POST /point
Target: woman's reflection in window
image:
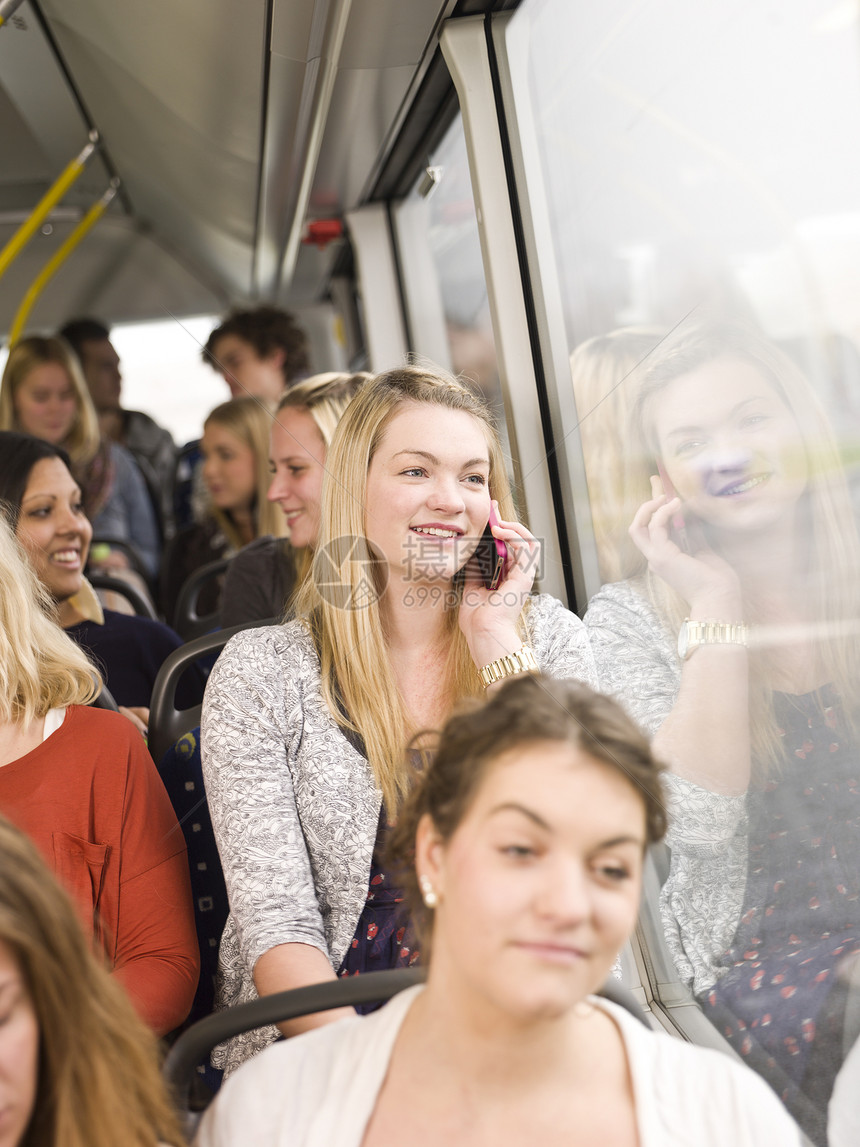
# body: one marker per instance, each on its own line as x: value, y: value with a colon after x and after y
x: 749, y: 524
x: 606, y: 371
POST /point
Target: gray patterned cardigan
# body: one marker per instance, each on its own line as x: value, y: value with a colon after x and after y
x: 700, y: 903
x: 293, y: 803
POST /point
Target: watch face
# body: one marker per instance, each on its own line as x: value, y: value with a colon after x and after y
x: 684, y: 640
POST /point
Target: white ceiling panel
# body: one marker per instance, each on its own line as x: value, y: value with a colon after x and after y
x: 180, y: 93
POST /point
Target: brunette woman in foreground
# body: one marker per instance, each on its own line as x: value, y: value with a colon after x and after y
x: 522, y: 847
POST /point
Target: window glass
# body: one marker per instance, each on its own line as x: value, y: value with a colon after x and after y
x: 438, y: 237
x: 164, y: 375
x: 702, y: 182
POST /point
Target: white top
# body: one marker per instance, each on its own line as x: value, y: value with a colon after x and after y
x: 843, y: 1125
x: 53, y: 720
x: 320, y: 1089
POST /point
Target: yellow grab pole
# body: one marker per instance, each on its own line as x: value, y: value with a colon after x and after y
x: 56, y: 261
x: 7, y: 10
x: 28, y: 228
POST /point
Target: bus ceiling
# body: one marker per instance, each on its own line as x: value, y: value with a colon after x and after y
x: 229, y: 125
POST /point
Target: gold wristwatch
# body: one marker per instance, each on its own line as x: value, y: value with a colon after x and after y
x: 709, y: 632
x: 523, y: 661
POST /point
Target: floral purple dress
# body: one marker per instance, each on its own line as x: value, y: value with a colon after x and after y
x: 384, y: 937
x: 781, y: 1001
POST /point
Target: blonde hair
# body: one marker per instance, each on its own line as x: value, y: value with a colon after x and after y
x: 324, y: 397
x: 605, y: 372
x: 83, y: 440
x: 833, y: 572
x: 41, y: 668
x: 98, y: 1082
x: 249, y: 420
x: 358, y: 683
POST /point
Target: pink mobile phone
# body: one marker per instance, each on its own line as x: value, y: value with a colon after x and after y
x: 678, y: 523
x: 492, y: 554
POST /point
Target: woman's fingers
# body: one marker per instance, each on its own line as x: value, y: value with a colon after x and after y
x: 695, y: 576
x: 650, y: 527
x: 522, y: 546
x: 505, y: 531
x: 647, y: 509
x: 135, y: 715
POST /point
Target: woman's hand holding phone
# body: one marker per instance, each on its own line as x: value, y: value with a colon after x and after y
x: 704, y: 580
x: 488, y: 617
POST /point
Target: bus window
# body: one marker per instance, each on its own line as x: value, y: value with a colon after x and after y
x: 163, y: 359
x: 701, y: 190
x: 443, y: 273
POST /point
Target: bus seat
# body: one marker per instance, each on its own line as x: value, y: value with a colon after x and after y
x: 181, y: 773
x: 105, y: 700
x: 195, y: 1044
x: 167, y: 723
x: 187, y: 622
x: 174, y: 742
x: 131, y: 552
x: 140, y: 604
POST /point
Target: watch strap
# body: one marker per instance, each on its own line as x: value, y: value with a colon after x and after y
x: 710, y: 631
x: 522, y: 661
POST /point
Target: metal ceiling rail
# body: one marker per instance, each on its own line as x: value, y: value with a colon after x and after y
x: 58, y: 215
x: 51, y: 197
x: 57, y: 259
x: 316, y: 98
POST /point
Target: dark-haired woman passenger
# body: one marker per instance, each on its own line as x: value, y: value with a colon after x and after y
x: 42, y: 501
x: 525, y: 839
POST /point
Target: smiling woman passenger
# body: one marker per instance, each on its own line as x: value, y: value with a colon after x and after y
x: 43, y: 393
x: 235, y: 510
x: 42, y: 501
x: 522, y: 850
x: 263, y: 575
x: 304, y: 725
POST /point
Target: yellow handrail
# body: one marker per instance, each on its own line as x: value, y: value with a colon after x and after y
x: 7, y: 9
x: 56, y: 261
x: 51, y: 197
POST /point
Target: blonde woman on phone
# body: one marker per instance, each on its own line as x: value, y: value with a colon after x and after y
x: 305, y: 724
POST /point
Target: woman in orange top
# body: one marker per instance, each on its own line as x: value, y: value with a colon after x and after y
x: 80, y: 783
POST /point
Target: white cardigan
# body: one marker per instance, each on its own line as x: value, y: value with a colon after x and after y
x: 320, y: 1089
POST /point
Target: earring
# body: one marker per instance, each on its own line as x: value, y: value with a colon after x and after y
x: 430, y: 897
